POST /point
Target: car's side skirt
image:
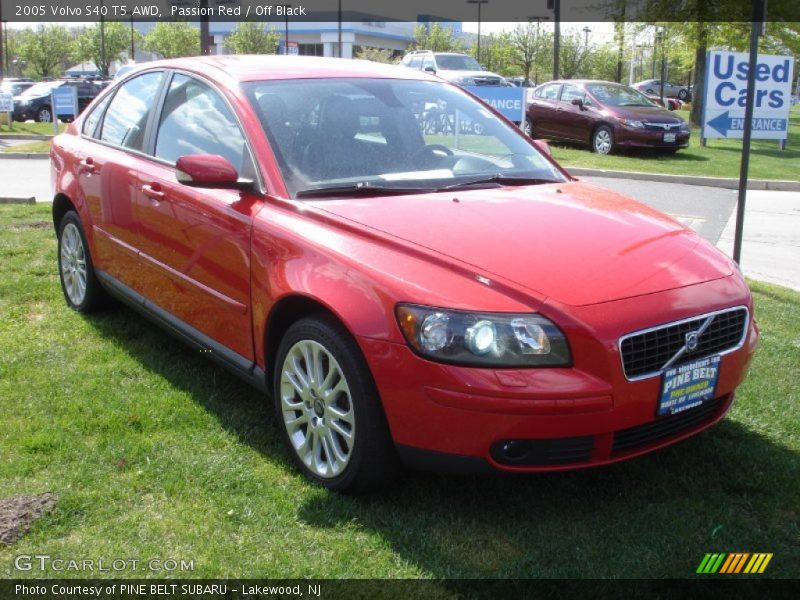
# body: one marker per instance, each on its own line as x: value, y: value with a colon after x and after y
x: 237, y: 364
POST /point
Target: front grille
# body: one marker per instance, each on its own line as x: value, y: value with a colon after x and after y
x: 543, y: 452
x: 647, y: 353
x: 663, y: 126
x: 643, y: 435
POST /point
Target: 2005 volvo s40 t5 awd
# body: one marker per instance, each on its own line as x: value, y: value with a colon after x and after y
x: 448, y: 300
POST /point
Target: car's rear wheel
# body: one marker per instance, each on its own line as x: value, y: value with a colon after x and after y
x: 683, y: 94
x: 603, y: 140
x: 528, y: 129
x: 79, y: 283
x: 328, y: 410
x: 44, y: 115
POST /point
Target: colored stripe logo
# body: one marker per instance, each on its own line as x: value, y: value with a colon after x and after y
x: 733, y: 563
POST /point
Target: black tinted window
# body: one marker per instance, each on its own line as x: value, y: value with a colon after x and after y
x: 126, y: 117
x: 196, y: 120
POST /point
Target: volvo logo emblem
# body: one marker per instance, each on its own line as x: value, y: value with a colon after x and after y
x: 692, y: 340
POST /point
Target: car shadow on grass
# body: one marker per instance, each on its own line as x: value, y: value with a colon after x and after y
x: 727, y: 489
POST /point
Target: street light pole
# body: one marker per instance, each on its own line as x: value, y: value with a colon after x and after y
x: 555, y: 6
x: 103, y: 66
x: 3, y: 53
x: 586, y: 32
x: 205, y: 48
x: 340, y: 29
x: 479, y: 3
x: 538, y: 33
x: 286, y: 8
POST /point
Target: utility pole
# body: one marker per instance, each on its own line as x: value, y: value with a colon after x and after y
x: 479, y: 3
x: 340, y: 29
x: 555, y: 6
x: 205, y: 48
x: 3, y: 53
x: 104, y: 63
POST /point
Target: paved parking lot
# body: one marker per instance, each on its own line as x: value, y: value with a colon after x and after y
x: 771, y: 250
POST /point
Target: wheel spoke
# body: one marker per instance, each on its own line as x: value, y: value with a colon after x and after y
x: 347, y: 435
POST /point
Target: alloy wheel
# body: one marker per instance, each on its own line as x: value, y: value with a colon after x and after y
x: 317, y: 409
x: 73, y: 264
x: 602, y: 141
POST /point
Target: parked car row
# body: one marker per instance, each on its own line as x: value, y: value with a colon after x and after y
x: 34, y: 102
x: 671, y: 90
x: 604, y: 115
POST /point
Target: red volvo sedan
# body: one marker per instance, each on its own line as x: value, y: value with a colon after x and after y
x: 446, y: 300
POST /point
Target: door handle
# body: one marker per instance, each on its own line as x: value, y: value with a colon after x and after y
x: 88, y: 166
x: 153, y: 191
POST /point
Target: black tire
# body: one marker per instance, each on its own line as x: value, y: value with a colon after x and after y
x: 528, y: 127
x: 44, y: 115
x: 603, y: 140
x: 683, y: 94
x: 649, y: 91
x: 94, y: 297
x: 373, y: 462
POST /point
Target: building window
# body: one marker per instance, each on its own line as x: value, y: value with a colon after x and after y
x: 311, y: 50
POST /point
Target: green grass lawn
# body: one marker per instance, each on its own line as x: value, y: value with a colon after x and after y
x: 35, y: 146
x: 32, y: 128
x: 154, y: 452
x: 720, y: 158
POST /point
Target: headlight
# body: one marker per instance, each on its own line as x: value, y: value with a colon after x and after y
x: 633, y: 124
x: 684, y: 126
x: 484, y: 339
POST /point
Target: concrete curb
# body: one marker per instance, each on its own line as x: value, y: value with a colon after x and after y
x: 30, y: 200
x: 720, y: 182
x: 25, y: 136
x: 30, y: 155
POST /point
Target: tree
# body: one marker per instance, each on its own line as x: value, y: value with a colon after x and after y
x: 524, y: 40
x: 252, y: 38
x: 90, y: 44
x: 497, y: 53
x: 380, y: 55
x: 436, y: 38
x: 173, y: 40
x: 574, y: 55
x: 48, y: 50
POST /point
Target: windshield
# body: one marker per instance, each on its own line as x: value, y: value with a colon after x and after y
x: 618, y: 95
x: 388, y: 133
x: 457, y: 62
x: 41, y: 89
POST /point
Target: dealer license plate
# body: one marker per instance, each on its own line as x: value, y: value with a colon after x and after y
x: 688, y: 385
x: 669, y: 137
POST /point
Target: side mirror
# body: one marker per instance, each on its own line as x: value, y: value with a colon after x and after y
x: 543, y: 147
x: 578, y: 102
x: 208, y: 170
x: 430, y: 69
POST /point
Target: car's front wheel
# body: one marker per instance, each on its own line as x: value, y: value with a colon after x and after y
x: 603, y: 140
x: 528, y: 128
x: 328, y: 409
x: 79, y: 283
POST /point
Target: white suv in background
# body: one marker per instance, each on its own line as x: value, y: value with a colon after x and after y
x: 455, y: 67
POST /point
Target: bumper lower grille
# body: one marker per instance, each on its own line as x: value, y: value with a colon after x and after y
x: 543, y: 452
x: 648, y: 352
x: 642, y: 435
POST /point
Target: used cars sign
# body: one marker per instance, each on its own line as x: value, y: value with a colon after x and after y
x: 726, y: 95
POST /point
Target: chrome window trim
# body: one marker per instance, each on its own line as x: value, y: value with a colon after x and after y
x: 680, y: 322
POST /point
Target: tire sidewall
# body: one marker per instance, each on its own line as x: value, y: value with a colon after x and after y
x: 92, y: 284
x: 362, y: 389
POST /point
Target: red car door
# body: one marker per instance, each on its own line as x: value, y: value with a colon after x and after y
x: 543, y: 109
x: 574, y: 122
x: 195, y: 241
x: 107, y: 170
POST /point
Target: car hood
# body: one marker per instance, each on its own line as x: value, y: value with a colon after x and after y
x: 576, y: 243
x: 653, y: 114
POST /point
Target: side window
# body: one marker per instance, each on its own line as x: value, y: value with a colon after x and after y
x: 549, y: 92
x: 427, y: 62
x: 94, y: 117
x: 126, y: 117
x: 571, y: 92
x: 416, y: 62
x: 196, y: 120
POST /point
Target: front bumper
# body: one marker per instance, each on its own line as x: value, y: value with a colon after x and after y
x: 557, y: 418
x: 649, y: 138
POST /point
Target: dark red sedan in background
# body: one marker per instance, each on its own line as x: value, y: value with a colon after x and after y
x: 607, y: 116
x: 448, y: 300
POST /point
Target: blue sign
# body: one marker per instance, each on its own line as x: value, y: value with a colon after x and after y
x: 726, y: 95
x: 688, y: 385
x: 65, y: 100
x: 510, y: 101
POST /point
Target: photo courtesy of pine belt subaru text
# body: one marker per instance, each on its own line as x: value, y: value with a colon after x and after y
x: 448, y: 298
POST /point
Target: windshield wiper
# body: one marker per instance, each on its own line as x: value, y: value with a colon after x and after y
x: 362, y: 188
x: 499, y: 180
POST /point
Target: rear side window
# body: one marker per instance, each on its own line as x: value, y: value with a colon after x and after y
x: 196, y: 120
x: 126, y: 118
x: 93, y: 118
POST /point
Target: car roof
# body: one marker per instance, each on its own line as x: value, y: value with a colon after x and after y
x: 267, y: 67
